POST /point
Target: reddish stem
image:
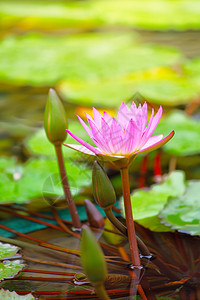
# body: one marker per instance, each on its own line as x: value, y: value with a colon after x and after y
x: 71, y: 205
x: 129, y: 218
x: 157, y: 164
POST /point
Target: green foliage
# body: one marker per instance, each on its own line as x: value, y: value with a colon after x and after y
x: 41, y: 60
x: 148, y: 14
x: 40, y: 178
x: 9, y: 268
x: 183, y: 212
x: 7, y: 250
x: 38, y: 144
x: 7, y: 295
x: 160, y: 85
x: 147, y: 204
x: 151, y: 14
x: 186, y: 140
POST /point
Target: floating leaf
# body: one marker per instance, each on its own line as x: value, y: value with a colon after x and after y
x: 161, y: 85
x: 31, y: 15
x: 40, y: 178
x: 7, y: 295
x: 7, y: 250
x: 147, y: 204
x: 183, y: 212
x: 38, y: 143
x: 151, y: 14
x: 41, y: 60
x: 10, y: 269
x: 186, y: 140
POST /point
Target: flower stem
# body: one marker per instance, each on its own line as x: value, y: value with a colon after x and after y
x: 109, y: 214
x: 71, y: 205
x: 129, y: 218
x: 100, y: 291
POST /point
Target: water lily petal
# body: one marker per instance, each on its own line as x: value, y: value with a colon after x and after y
x: 142, y: 115
x: 87, y: 129
x: 97, y: 117
x: 145, y: 136
x: 124, y: 115
x: 98, y: 137
x: 85, y: 144
x: 115, y: 133
x: 155, y: 121
x: 107, y: 118
x: 153, y: 140
x: 105, y: 129
x: 157, y: 144
x: 80, y: 148
x: 132, y: 137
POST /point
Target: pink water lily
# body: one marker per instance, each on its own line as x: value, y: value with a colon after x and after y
x: 123, y: 137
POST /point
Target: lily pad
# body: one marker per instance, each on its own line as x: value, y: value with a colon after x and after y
x: 44, y: 60
x: 186, y: 140
x: 160, y: 85
x: 9, y: 268
x: 38, y: 144
x: 183, y: 212
x: 41, y: 178
x: 7, y: 295
x: 34, y: 15
x: 147, y: 204
x: 41, y: 60
x: 7, y: 250
x: 151, y: 14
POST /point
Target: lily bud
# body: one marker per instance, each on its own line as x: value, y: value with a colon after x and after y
x: 103, y: 190
x: 55, y: 121
x: 92, y: 257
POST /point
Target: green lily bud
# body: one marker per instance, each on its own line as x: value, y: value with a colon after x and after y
x: 92, y: 257
x: 55, y: 121
x: 103, y: 190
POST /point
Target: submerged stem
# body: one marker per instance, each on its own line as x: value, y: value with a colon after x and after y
x: 100, y: 291
x: 129, y: 218
x: 71, y: 205
x: 123, y: 229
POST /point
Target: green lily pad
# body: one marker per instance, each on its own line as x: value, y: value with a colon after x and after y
x: 41, y: 60
x: 7, y: 295
x: 186, y: 140
x: 148, y: 14
x: 59, y: 15
x: 151, y: 14
x: 7, y: 250
x: 159, y: 85
x: 182, y: 212
x: 38, y: 144
x: 7, y: 188
x: 147, y: 204
x: 9, y: 268
x: 40, y: 178
x: 45, y: 60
